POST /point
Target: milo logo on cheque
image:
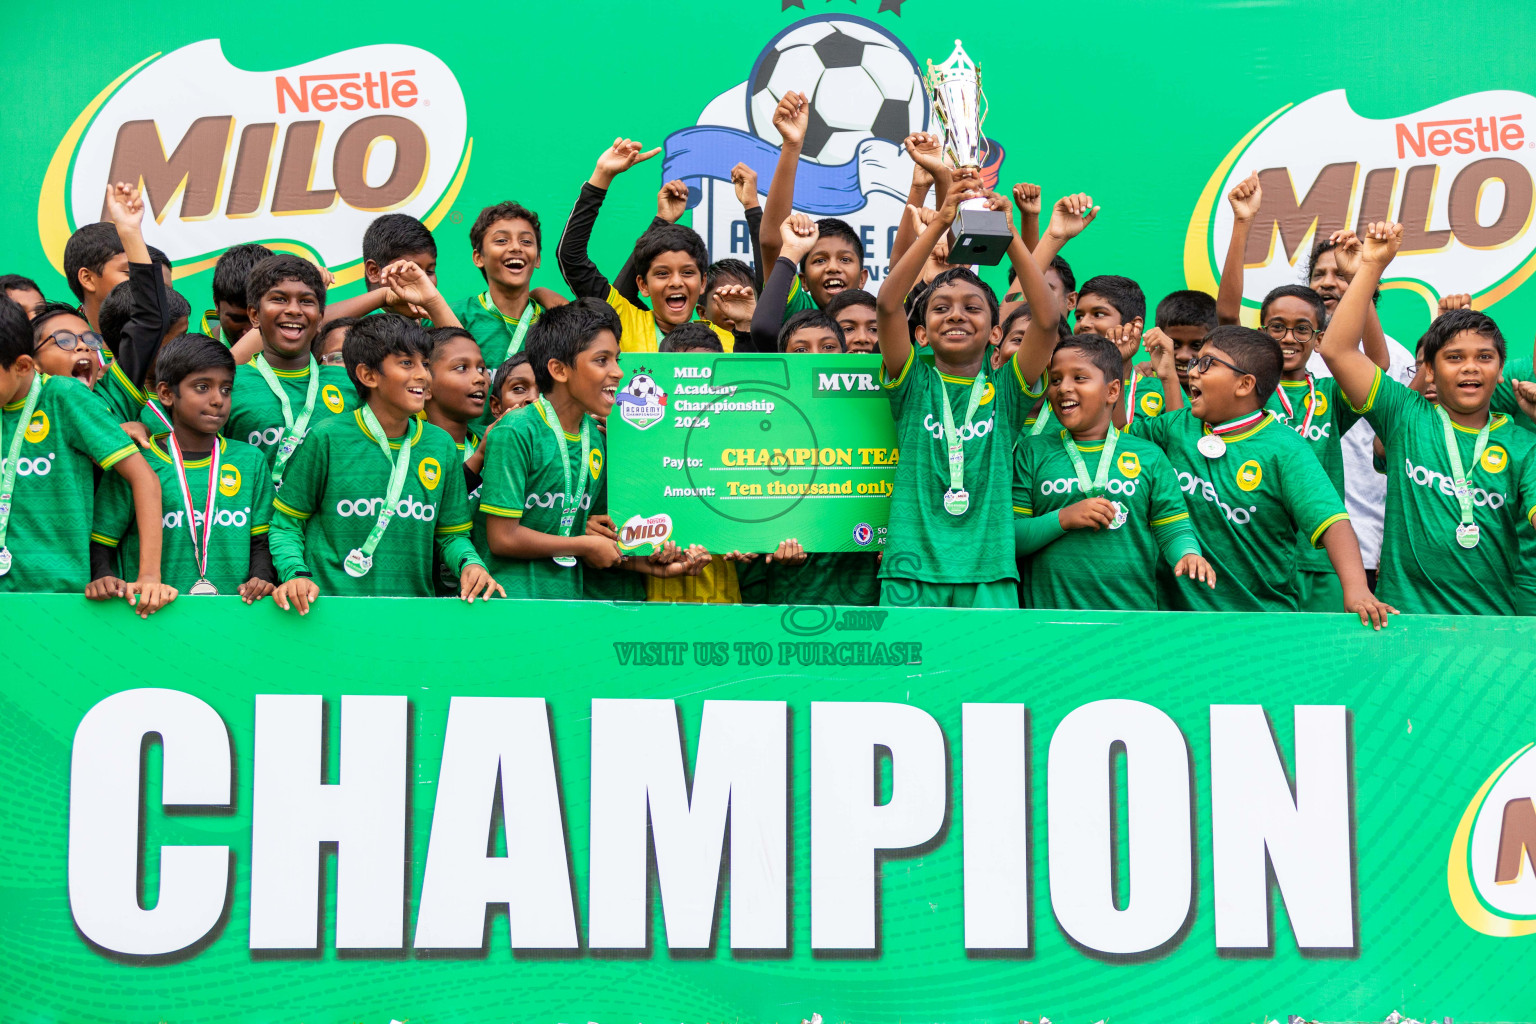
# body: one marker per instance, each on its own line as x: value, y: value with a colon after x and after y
x: 638, y: 530
x: 305, y: 156
x: 1458, y: 175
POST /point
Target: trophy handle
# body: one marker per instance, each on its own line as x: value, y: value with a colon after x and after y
x: 981, y: 118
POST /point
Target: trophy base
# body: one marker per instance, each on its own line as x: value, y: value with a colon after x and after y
x: 979, y: 236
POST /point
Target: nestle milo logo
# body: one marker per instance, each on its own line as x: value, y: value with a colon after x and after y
x: 1457, y: 175
x: 1491, y: 873
x: 305, y: 156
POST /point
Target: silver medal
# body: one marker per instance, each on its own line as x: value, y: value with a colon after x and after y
x: 202, y: 588
x: 956, y: 501
x: 357, y: 564
x: 569, y: 561
x: 5, y: 561
x: 1468, y: 534
x: 1212, y: 446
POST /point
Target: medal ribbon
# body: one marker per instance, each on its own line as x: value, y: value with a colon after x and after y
x: 1458, y: 472
x: 199, y: 549
x: 396, y: 478
x: 952, y: 436
x: 1041, y: 419
x: 8, y: 477
x: 572, y: 501
x: 1290, y: 412
x: 531, y: 312
x: 295, y: 428
x: 1240, y: 423
x: 1130, y: 398
x: 1100, y: 481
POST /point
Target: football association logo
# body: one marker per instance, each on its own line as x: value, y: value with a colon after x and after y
x: 641, y: 402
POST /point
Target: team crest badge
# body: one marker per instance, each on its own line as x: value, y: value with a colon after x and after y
x: 595, y: 463
x: 1494, y: 459
x: 1129, y: 465
x: 38, y: 428
x: 641, y: 402
x: 1249, y: 475
x: 1151, y: 403
x: 987, y: 394
x: 229, y: 480
x: 331, y: 396
x: 1320, y: 406
x: 430, y: 472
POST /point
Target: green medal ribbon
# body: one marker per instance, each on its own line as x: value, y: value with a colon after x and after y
x: 957, y: 499
x: 360, y: 560
x: 572, y: 493
x: 8, y: 476
x: 531, y: 312
x: 1041, y: 419
x: 1100, y: 482
x: 294, y: 429
x: 1467, y: 532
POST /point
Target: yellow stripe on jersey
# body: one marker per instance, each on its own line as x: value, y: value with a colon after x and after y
x: 122, y: 378
x: 1170, y: 519
x: 1370, y: 399
x: 457, y: 528
x: 118, y: 456
x: 504, y: 513
x: 263, y: 528
x: 1317, y: 534
x: 103, y: 540
x: 289, y: 510
x: 905, y: 368
x: 1020, y: 510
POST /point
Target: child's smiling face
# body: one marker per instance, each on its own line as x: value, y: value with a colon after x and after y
x: 517, y: 390
x: 288, y: 315
x: 672, y: 284
x: 459, y: 380
x: 833, y: 265
x: 509, y: 253
x: 958, y: 322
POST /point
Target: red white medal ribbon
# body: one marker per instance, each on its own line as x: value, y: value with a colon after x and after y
x: 1290, y: 411
x: 199, y: 550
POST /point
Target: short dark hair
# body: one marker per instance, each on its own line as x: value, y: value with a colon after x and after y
x: 664, y: 238
x: 1016, y: 314
x: 348, y: 322
x: 735, y: 270
x: 379, y: 336
x: 278, y: 268
x: 810, y: 318
x: 1064, y: 271
x: 233, y: 269
x: 499, y: 379
x: 1322, y: 245
x: 966, y: 275
x: 158, y: 257
x: 1099, y: 350
x: 564, y: 332
x: 848, y: 297
x: 693, y: 334
x: 15, y: 332
x: 443, y: 335
x: 1297, y: 291
x: 1453, y: 322
x: 48, y: 310
x: 1187, y: 308
x: 17, y: 283
x: 1123, y: 293
x: 831, y: 227
x: 1256, y: 352
x: 181, y: 357
x: 509, y: 210
x: 116, y: 310
x: 177, y: 306
x: 395, y: 235
x: 91, y: 247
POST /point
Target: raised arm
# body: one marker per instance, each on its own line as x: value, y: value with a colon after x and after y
x: 1244, y: 197
x: 147, y: 323
x: 1069, y: 217
x: 1351, y: 367
x: 1026, y: 196
x: 799, y: 233
x: 580, y: 273
x: 790, y: 119
x: 927, y: 152
x: 1034, y: 354
x: 1346, y: 256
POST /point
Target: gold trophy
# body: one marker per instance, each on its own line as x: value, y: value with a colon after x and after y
x: 981, y: 235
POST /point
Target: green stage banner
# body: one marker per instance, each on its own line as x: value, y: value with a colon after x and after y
x: 556, y: 812
x: 740, y: 452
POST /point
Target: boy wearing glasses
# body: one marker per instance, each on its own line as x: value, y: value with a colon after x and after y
x: 63, y: 344
x: 1294, y: 316
x: 1252, y: 485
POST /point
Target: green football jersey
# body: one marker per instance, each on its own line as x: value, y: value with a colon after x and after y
x: 1330, y: 421
x: 1111, y: 569
x: 49, y: 536
x: 256, y: 416
x: 447, y: 578
x: 524, y: 481
x: 925, y: 542
x: 494, y: 331
x: 242, y: 510
x: 799, y: 299
x: 330, y: 499
x: 127, y: 402
x: 1515, y: 368
x: 1145, y: 395
x: 1247, y: 505
x: 1423, y: 568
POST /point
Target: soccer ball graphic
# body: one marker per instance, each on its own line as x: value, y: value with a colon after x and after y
x: 861, y: 82
x: 643, y: 387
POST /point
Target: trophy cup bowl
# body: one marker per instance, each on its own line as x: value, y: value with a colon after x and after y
x: 980, y: 235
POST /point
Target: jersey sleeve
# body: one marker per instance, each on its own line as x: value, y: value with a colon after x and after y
x: 506, y: 474
x: 303, y: 483
x: 90, y: 426
x: 899, y: 388
x: 453, y: 522
x: 576, y: 266
x: 261, y: 497
x: 119, y: 393
x: 1387, y: 405
x: 1024, y: 479
x: 1016, y: 394
x: 1158, y: 429
x: 1525, y: 489
x: 114, y: 511
x: 1313, y: 501
x: 1169, y: 515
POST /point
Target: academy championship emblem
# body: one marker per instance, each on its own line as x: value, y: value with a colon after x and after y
x: 866, y: 95
x: 641, y: 402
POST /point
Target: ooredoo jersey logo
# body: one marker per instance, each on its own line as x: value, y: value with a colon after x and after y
x: 301, y: 158
x: 1491, y: 873
x: 1458, y: 175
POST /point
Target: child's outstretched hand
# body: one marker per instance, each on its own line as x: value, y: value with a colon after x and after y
x: 791, y: 117
x: 618, y: 158
x: 966, y: 185
x: 672, y: 201
x: 789, y: 552
x: 600, y: 552
x: 736, y: 303
x: 475, y: 581
x: 1088, y: 514
x: 1372, y: 612
x: 1197, y: 569
x: 1245, y: 196
x: 125, y: 205
x: 601, y: 525
x: 108, y: 588
x: 149, y: 596
x: 1456, y: 300
x: 1160, y: 351
x: 1382, y: 240
x: 743, y: 557
x: 297, y: 594
x: 927, y: 152
x: 254, y: 589
x: 1026, y: 196
x: 1127, y: 337
x: 138, y: 432
x: 744, y: 181
x: 1071, y: 215
x: 800, y: 234
x: 410, y: 284
x: 1346, y: 252
x: 999, y: 202
x: 1525, y: 394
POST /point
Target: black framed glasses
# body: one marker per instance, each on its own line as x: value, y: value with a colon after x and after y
x: 1278, y: 329
x: 1203, y: 363
x: 69, y: 341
